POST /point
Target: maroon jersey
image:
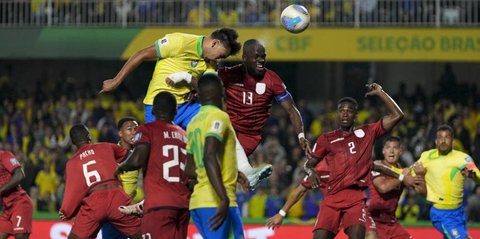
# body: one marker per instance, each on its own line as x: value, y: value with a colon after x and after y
x: 348, y: 155
x: 249, y: 100
x: 382, y: 206
x: 92, y: 164
x: 165, y: 182
x: 8, y: 163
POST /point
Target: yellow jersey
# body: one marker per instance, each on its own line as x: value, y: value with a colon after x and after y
x: 129, y: 182
x: 177, y: 52
x: 444, y: 177
x: 212, y: 121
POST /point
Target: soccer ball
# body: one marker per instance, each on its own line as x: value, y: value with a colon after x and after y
x: 295, y: 18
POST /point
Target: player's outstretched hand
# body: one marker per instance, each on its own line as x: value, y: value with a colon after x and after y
x: 314, y: 179
x: 217, y: 219
x: 305, y: 144
x: 62, y: 216
x: 373, y: 89
x: 275, y: 221
x: 109, y: 85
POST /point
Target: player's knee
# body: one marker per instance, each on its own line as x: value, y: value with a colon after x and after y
x: 356, y: 231
x: 22, y: 236
x: 323, y: 234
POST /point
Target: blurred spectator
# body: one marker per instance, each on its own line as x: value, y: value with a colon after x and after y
x: 473, y: 205
x: 197, y: 16
x: 47, y: 182
x: 410, y: 211
x: 228, y: 17
x: 257, y: 203
x: 274, y: 202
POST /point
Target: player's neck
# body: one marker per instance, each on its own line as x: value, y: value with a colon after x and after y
x: 125, y: 145
x: 347, y: 129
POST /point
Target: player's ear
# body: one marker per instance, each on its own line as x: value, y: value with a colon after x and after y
x: 215, y: 42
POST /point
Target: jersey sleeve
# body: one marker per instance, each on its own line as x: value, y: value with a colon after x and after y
x: 71, y: 199
x: 9, y: 161
x: 168, y: 46
x: 229, y: 74
x: 120, y: 152
x: 469, y: 164
x: 377, y: 129
x: 279, y: 89
x: 217, y: 125
x: 319, y: 149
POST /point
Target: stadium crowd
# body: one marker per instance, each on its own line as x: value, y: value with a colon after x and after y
x: 232, y: 13
x: 34, y: 126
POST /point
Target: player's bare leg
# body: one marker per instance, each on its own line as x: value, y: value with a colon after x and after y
x: 356, y: 231
x: 134, y: 209
x: 254, y: 175
x: 22, y: 236
x: 371, y: 235
x: 323, y: 234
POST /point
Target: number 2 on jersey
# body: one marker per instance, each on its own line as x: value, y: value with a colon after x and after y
x: 352, y: 147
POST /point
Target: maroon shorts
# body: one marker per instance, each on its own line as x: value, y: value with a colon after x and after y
x: 17, y: 218
x: 392, y: 231
x: 165, y: 223
x: 345, y: 208
x: 249, y: 142
x: 102, y: 206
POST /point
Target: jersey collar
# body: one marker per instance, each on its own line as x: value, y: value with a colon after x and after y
x: 199, y: 46
x: 203, y: 107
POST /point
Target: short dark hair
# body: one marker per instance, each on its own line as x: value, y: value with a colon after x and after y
x: 249, y: 44
x: 209, y: 81
x: 78, y: 134
x: 350, y: 100
x: 164, y: 103
x: 446, y: 127
x: 124, y: 120
x: 392, y: 139
x: 228, y: 37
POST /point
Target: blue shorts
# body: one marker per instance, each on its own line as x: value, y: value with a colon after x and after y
x: 450, y: 222
x: 232, y: 227
x: 110, y: 232
x: 185, y: 113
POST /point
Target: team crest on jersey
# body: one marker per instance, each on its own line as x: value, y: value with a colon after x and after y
x: 194, y: 63
x: 163, y: 41
x: 260, y: 88
x: 137, y: 137
x: 14, y: 161
x: 359, y: 133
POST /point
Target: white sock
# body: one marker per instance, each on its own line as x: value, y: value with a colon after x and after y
x: 242, y: 160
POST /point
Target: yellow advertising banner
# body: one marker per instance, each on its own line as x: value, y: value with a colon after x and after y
x: 346, y: 44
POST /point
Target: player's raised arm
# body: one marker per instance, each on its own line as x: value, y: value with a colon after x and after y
x: 296, y: 119
x: 395, y: 114
x: 148, y: 53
